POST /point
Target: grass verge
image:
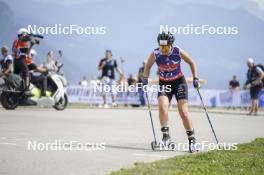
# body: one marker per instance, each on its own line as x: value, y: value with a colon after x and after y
x: 247, y: 159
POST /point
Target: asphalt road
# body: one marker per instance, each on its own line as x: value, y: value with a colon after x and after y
x: 115, y: 138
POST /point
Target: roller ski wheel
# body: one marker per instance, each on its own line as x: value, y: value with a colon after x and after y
x: 166, y: 142
x: 172, y: 146
x: 161, y: 146
x: 155, y: 146
x: 192, y: 145
x: 167, y: 145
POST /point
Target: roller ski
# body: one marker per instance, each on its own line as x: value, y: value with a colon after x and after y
x: 192, y: 141
x: 165, y: 144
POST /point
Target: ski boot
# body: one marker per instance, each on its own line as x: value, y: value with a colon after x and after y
x: 166, y: 142
x: 192, y: 141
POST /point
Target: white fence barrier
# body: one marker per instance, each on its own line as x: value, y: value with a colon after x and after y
x: 211, y: 97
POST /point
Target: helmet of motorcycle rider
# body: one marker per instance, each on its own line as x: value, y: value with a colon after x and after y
x: 22, y: 31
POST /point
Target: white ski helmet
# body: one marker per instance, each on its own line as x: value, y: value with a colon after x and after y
x: 22, y: 31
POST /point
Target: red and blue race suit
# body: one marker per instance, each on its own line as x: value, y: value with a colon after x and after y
x: 169, y: 65
x: 170, y: 73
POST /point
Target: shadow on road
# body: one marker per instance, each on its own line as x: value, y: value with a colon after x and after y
x: 127, y: 147
x: 141, y: 149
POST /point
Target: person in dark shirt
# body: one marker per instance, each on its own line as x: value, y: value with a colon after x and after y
x: 140, y: 77
x: 108, y: 66
x: 254, y: 83
x: 141, y: 71
x: 131, y: 80
x: 234, y: 84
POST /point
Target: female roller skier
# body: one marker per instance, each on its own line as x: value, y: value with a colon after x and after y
x: 168, y: 59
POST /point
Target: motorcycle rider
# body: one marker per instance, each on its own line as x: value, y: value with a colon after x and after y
x: 57, y: 97
x: 40, y: 80
x: 20, y: 50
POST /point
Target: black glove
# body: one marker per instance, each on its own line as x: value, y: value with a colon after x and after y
x: 196, y: 83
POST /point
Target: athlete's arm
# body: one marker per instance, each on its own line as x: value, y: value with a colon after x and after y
x: 190, y: 80
x: 117, y: 68
x: 188, y: 59
x: 101, y: 65
x: 119, y: 71
x: 149, y: 64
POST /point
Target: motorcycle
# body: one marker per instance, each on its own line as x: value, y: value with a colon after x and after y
x: 2, y: 83
x: 12, y: 96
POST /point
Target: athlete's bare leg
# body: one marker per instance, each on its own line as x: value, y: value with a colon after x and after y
x: 163, y: 116
x: 187, y: 123
x: 183, y: 111
x: 163, y: 110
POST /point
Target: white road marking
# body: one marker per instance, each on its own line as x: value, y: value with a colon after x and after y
x: 14, y: 139
x: 6, y: 143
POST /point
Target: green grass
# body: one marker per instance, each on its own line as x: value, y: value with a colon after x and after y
x: 247, y: 159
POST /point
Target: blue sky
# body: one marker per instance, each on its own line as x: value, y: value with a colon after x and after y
x: 256, y: 7
x: 132, y: 27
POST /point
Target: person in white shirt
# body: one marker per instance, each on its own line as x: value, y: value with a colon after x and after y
x: 6, y: 62
x: 50, y: 63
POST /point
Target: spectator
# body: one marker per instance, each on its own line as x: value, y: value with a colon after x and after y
x: 140, y: 90
x: 6, y: 62
x: 255, y: 76
x: 234, y: 84
x: 108, y: 66
x: 59, y: 64
x: 49, y: 63
x: 131, y: 80
x: 83, y: 82
x: 6, y: 68
x: 140, y: 72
